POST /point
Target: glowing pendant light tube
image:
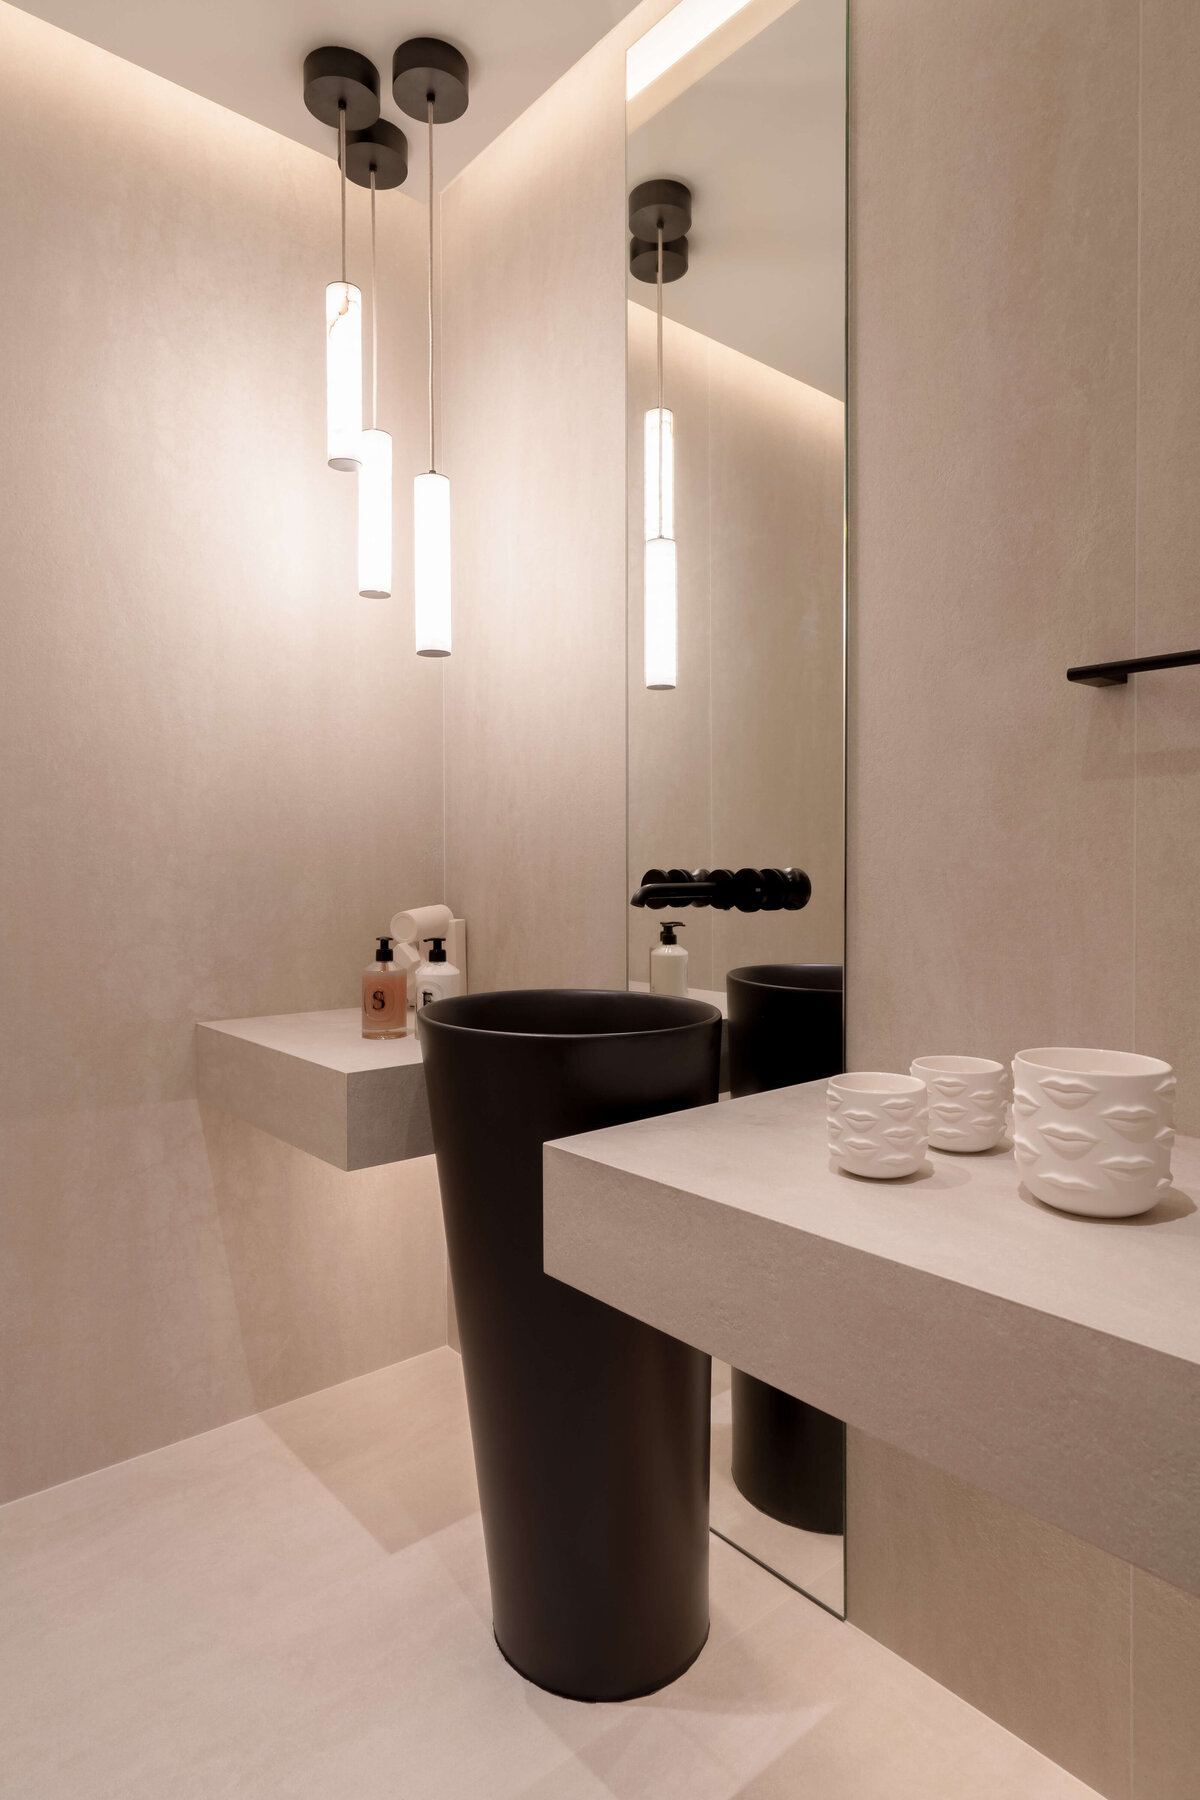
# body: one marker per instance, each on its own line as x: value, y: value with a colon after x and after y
x: 660, y: 624
x: 431, y: 509
x: 375, y: 474
x: 431, y: 563
x: 343, y: 373
x: 659, y: 605
x: 375, y: 516
x: 343, y: 349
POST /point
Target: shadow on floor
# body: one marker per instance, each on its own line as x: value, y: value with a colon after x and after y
x: 393, y: 1447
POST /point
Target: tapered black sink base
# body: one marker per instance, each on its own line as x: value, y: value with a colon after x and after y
x: 592, y: 1699
x: 590, y: 1429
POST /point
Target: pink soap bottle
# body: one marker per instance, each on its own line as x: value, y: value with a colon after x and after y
x: 384, y: 996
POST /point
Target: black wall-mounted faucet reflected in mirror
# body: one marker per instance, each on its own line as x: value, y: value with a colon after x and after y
x: 747, y: 890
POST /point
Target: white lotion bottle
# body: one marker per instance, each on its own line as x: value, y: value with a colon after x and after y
x: 668, y: 962
x: 435, y: 978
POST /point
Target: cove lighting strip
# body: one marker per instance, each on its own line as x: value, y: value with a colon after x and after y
x: 675, y: 36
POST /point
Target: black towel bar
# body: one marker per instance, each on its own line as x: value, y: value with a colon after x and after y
x: 1116, y: 674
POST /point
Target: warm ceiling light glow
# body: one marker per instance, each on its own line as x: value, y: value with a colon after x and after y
x: 692, y: 39
x: 431, y: 563
x: 375, y: 516
x: 685, y: 26
x: 658, y: 601
x: 343, y: 373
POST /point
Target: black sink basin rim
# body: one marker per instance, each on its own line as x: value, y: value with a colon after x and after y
x: 821, y: 978
x: 569, y: 1013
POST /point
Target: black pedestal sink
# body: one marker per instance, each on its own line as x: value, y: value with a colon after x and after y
x: 785, y: 1027
x: 590, y: 1429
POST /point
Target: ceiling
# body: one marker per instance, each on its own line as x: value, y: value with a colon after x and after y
x: 247, y: 55
x: 761, y: 141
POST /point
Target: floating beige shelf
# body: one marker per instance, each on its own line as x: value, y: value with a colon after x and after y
x: 313, y: 1080
x: 1051, y: 1360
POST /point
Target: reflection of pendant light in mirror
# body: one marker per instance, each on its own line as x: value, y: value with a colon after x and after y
x: 376, y: 158
x: 660, y: 215
x: 429, y: 82
x: 341, y: 88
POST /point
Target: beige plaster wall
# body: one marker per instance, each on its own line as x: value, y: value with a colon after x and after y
x: 220, y: 769
x: 1023, y: 857
x: 741, y: 763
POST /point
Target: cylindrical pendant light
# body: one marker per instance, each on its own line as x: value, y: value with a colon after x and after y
x: 375, y: 516
x: 660, y: 600
x: 375, y: 474
x: 431, y: 563
x: 659, y: 207
x: 431, y: 503
x: 342, y: 88
x: 429, y: 82
x: 376, y: 158
x: 343, y: 374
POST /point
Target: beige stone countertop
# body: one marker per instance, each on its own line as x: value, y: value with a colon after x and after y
x: 312, y: 1079
x: 1049, y: 1359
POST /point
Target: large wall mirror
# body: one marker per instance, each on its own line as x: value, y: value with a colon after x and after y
x: 737, y: 536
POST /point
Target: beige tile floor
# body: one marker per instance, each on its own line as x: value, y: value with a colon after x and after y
x: 295, y: 1607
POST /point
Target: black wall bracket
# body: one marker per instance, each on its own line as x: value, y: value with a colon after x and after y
x: 1116, y: 674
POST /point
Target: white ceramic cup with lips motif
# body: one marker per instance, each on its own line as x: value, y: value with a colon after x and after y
x: 1092, y: 1129
x: 878, y: 1124
x: 968, y: 1101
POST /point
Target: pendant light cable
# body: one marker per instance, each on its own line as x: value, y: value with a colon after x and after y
x: 432, y: 445
x: 342, y: 167
x: 374, y: 324
x: 659, y: 300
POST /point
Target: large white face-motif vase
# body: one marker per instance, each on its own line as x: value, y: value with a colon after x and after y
x: 1092, y: 1129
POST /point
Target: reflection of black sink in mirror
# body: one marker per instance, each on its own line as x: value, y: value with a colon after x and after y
x: 590, y: 1429
x: 785, y: 1027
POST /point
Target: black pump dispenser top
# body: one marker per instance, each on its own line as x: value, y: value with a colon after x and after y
x: 385, y: 950
x: 438, y: 953
x: 670, y: 927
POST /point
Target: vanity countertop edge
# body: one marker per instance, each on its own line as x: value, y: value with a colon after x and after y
x: 1051, y: 1360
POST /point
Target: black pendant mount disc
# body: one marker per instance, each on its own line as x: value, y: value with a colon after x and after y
x: 426, y: 66
x: 665, y: 203
x: 382, y: 146
x: 643, y: 259
x: 333, y: 75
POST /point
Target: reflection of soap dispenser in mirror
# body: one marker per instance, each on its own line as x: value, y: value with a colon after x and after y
x: 668, y: 962
x: 384, y: 996
x: 436, y: 979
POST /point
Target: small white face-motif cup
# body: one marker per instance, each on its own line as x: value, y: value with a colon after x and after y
x: 1092, y: 1129
x: 968, y: 1101
x: 878, y: 1124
